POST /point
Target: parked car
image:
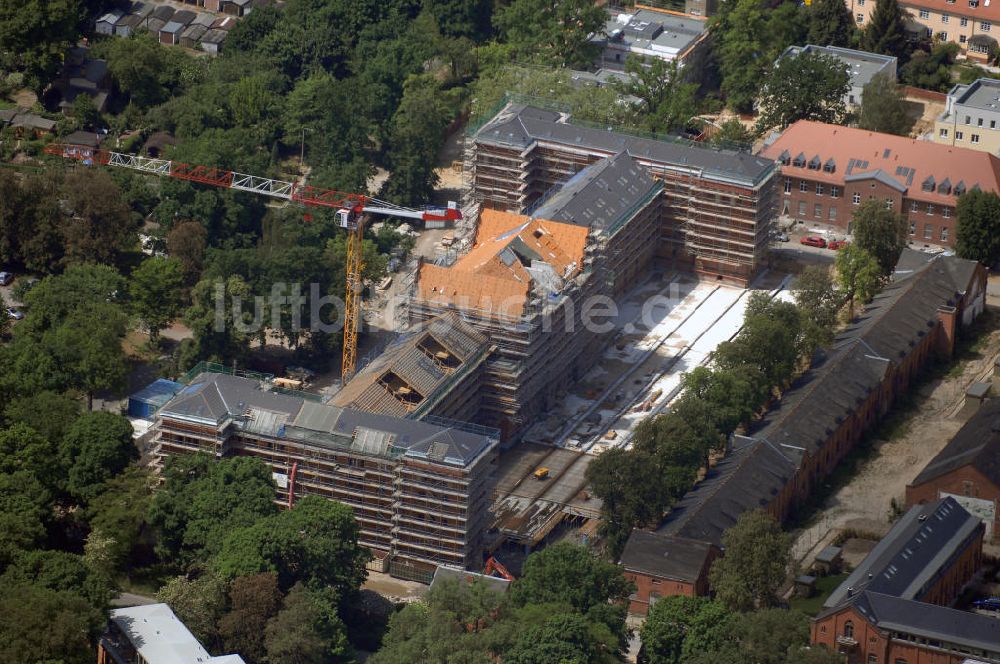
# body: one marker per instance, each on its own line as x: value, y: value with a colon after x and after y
x: 781, y: 236
x: 988, y: 603
x: 813, y: 241
x: 837, y: 244
x: 15, y: 313
x: 6, y: 278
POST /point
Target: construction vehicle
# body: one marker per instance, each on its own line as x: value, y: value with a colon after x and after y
x: 494, y: 568
x: 350, y: 211
x: 541, y: 473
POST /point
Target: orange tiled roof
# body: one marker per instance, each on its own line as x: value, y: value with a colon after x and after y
x: 490, y: 278
x: 907, y: 161
x: 985, y: 11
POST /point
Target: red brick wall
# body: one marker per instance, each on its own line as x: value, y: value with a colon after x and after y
x: 961, y: 571
x: 647, y: 585
x: 871, y: 641
x: 922, y: 219
x: 964, y: 481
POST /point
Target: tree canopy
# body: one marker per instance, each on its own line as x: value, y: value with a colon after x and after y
x: 554, y: 32
x: 881, y: 232
x: 882, y: 107
x: 809, y: 86
x: 755, y: 563
x: 978, y: 233
x: 886, y: 31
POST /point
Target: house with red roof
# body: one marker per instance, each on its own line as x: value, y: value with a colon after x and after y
x: 828, y: 170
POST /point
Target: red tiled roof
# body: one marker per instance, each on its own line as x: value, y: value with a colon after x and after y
x: 483, y: 279
x: 986, y: 11
x: 907, y: 161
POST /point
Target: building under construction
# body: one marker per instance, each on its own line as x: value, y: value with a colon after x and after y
x: 421, y: 491
x: 717, y: 205
x: 528, y: 280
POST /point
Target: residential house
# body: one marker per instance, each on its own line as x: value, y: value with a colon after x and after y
x: 665, y: 566
x: 892, y: 608
x: 717, y: 206
x: 828, y: 170
x: 29, y: 125
x: 420, y: 491
x: 153, y: 634
x: 968, y: 23
x: 967, y: 470
x: 861, y: 66
x: 971, y: 118
x: 648, y: 33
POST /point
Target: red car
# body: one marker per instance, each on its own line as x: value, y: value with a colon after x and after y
x: 837, y: 244
x: 813, y: 241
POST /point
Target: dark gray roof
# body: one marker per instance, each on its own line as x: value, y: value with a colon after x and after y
x: 910, y: 558
x: 877, y: 174
x: 930, y: 621
x: 521, y: 125
x: 747, y: 478
x: 183, y: 16
x: 665, y: 556
x: 163, y: 12
x: 841, y: 378
x: 976, y: 444
x: 220, y: 398
x: 602, y: 195
x: 87, y: 138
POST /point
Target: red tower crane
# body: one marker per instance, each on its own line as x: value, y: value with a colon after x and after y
x: 349, y: 207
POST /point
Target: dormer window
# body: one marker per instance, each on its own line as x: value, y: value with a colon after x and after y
x: 800, y: 160
x: 959, y: 188
x: 784, y: 158
x: 928, y: 184
x: 814, y: 163
x: 944, y: 187
x: 830, y: 166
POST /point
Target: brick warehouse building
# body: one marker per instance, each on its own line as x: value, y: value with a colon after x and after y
x: 828, y: 409
x: 717, y: 205
x: 827, y: 170
x: 967, y: 470
x: 892, y: 609
x: 664, y: 566
x: 420, y: 492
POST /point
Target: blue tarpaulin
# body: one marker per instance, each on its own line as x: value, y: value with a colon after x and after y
x: 148, y: 400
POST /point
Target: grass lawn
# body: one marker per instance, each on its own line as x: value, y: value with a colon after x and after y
x: 824, y: 586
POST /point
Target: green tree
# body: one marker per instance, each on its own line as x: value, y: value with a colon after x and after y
x: 315, y: 543
x: 629, y: 485
x: 668, y: 101
x: 679, y: 627
x: 554, y: 32
x: 51, y: 625
x: 97, y: 447
x: 931, y: 70
x: 49, y: 413
x: 830, y: 23
x: 978, y: 233
x: 571, y: 574
x: 809, y: 86
x: 25, y: 509
x: 771, y: 636
x: 769, y: 343
x: 102, y: 227
x: 732, y: 133
x: 157, y: 290
x: 199, y: 603
x: 415, y: 136
x: 814, y: 655
x: 142, y: 69
x: 186, y: 243
x: 881, y: 232
x: 118, y: 513
x: 253, y: 601
x: 755, y: 563
x: 24, y: 449
x: 858, y: 275
x: 560, y: 638
x: 886, y: 31
x: 59, y: 571
x: 36, y: 35
x: 816, y: 295
x: 883, y: 108
x: 731, y: 395
x: 202, y: 500
x: 307, y: 630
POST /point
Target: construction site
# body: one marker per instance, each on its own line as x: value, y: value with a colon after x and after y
x: 585, y: 274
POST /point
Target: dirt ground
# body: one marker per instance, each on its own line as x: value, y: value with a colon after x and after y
x: 396, y: 590
x: 864, y: 503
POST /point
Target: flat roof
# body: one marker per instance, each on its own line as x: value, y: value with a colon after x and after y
x: 654, y: 33
x: 862, y: 66
x: 982, y: 94
x: 161, y: 638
